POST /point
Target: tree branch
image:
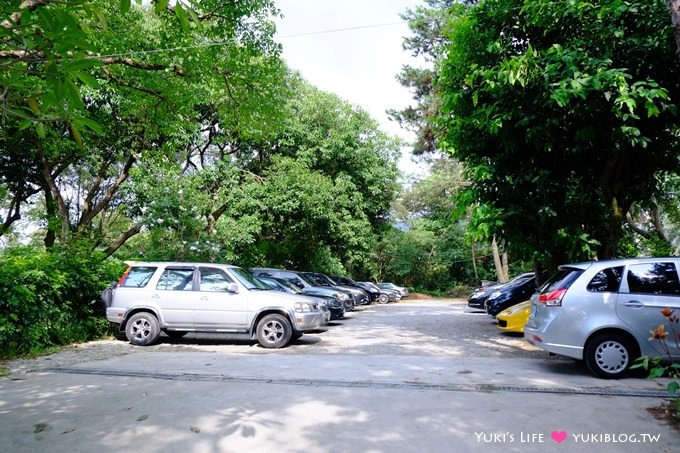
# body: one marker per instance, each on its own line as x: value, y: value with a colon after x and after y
x: 120, y: 240
x: 140, y: 64
x: 87, y: 217
x: 123, y: 83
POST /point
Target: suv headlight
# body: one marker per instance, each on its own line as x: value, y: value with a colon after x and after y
x: 494, y: 295
x: 303, y: 307
x: 343, y: 296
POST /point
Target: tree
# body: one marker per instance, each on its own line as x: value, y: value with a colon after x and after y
x: 329, y: 179
x: 428, y: 41
x: 674, y: 6
x: 430, y: 250
x: 563, y: 113
x: 205, y: 67
x: 312, y: 192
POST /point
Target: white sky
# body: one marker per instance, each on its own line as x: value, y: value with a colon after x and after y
x: 359, y: 65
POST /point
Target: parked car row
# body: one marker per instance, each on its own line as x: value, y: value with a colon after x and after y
x: 605, y: 313
x: 273, y: 306
x: 496, y: 298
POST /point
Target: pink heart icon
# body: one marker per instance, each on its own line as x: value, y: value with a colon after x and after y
x: 559, y: 436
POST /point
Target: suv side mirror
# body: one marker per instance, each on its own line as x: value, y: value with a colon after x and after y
x: 232, y: 288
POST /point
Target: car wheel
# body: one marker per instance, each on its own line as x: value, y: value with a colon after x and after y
x: 142, y: 329
x: 274, y: 331
x: 383, y: 298
x: 608, y: 356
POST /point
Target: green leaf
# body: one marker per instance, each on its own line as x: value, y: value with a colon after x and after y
x: 161, y: 5
x: 87, y: 79
x: 33, y: 104
x: 81, y: 63
x: 40, y: 130
x: 182, y: 16
x: 76, y: 134
x: 73, y: 94
x: 124, y: 6
x: 90, y: 124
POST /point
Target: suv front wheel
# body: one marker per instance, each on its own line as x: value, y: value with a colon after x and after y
x: 609, y: 355
x: 274, y: 331
x: 142, y: 329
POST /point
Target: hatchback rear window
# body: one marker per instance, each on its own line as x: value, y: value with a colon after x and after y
x: 562, y: 279
x: 138, y: 277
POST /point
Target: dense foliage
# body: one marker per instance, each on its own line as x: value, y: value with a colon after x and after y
x: 565, y: 115
x: 431, y: 250
x: 51, y: 298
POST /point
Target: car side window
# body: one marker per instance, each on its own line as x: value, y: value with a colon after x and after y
x: 176, y: 280
x: 653, y: 278
x: 296, y: 281
x: 138, y: 277
x: 607, y: 280
x: 214, y: 280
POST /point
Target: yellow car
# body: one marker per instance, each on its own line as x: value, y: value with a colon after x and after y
x: 513, y: 319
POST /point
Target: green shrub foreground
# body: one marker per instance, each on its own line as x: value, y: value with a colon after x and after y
x: 51, y: 298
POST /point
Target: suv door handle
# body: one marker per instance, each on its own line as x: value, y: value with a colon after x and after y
x: 633, y: 304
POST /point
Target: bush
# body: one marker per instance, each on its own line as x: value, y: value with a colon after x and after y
x: 51, y: 298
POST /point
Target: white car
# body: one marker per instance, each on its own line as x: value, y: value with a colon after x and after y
x: 603, y: 312
x: 176, y: 298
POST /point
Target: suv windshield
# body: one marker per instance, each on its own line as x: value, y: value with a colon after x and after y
x: 247, y: 279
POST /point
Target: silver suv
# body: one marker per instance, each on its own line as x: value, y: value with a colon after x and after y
x: 177, y: 298
x: 602, y: 312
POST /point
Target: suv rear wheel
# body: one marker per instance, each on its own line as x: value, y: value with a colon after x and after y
x: 274, y: 331
x: 609, y: 355
x: 142, y: 329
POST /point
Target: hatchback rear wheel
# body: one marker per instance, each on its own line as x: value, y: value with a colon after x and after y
x: 609, y: 356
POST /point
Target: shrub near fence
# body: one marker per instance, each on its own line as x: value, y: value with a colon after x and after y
x: 51, y: 298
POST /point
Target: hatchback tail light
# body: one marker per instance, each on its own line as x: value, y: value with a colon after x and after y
x: 552, y: 298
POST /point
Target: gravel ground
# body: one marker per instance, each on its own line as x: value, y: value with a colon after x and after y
x: 432, y: 327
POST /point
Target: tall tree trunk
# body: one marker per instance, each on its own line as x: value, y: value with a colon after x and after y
x: 474, y: 262
x: 674, y: 6
x: 497, y: 262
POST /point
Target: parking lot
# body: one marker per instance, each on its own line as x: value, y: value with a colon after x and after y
x: 427, y: 375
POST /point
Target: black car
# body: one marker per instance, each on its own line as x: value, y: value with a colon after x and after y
x: 335, y: 306
x: 301, y: 281
x: 359, y: 296
x: 373, y: 293
x: 512, y: 293
x: 479, y: 296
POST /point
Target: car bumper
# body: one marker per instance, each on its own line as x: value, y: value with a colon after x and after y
x: 538, y: 338
x: 308, y: 321
x: 478, y: 304
x: 337, y: 313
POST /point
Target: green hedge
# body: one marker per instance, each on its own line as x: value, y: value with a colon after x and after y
x: 51, y: 298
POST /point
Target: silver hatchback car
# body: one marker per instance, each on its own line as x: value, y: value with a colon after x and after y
x: 603, y: 312
x: 177, y: 298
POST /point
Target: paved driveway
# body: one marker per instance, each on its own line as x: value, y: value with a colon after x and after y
x: 425, y: 376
